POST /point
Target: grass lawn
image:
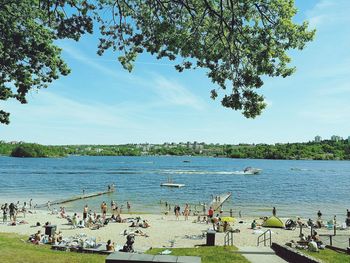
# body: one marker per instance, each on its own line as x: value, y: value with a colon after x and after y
x: 330, y: 256
x: 13, y: 249
x: 208, y: 254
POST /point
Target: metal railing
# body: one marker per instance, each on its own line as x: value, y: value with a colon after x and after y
x: 228, y: 240
x: 266, y: 237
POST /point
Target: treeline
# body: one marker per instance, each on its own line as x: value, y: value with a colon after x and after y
x: 325, y: 150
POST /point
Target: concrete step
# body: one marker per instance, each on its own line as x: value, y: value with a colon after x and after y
x: 260, y: 255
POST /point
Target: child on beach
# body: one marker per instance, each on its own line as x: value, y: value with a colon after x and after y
x: 253, y: 225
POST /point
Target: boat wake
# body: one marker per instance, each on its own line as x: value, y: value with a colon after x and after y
x: 201, y: 172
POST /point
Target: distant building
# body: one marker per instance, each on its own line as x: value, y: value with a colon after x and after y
x: 318, y: 138
x: 336, y: 138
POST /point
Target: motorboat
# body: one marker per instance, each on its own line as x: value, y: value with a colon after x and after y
x: 251, y: 170
x: 172, y: 185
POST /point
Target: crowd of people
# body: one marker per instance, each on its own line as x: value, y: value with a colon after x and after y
x: 11, y: 211
x: 91, y: 219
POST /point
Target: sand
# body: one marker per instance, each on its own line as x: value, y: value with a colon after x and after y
x: 164, y: 231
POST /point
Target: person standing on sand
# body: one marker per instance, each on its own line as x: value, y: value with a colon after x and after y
x: 319, y: 214
x: 75, y: 220
x: 5, y: 211
x: 204, y: 209
x: 85, y: 212
x: 24, y: 209
x: 128, y: 206
x: 177, y: 211
x: 274, y: 211
x: 12, y: 211
x: 210, y: 213
x: 30, y: 204
x: 186, y: 212
x: 104, y: 209
x: 102, y: 205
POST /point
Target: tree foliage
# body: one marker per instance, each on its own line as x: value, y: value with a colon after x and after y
x: 36, y: 150
x: 236, y: 41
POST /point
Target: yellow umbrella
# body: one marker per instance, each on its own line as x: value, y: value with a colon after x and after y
x: 228, y: 219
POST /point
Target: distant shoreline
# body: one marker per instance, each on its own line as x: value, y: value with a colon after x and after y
x: 323, y: 150
x: 168, y: 155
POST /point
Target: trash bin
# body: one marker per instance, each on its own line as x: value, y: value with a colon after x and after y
x: 211, y: 238
x: 50, y: 230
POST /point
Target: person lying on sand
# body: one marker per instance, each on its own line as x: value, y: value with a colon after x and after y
x: 145, y: 224
x: 137, y: 232
x: 136, y: 223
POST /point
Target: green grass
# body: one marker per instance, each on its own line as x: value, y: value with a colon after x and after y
x: 330, y: 256
x: 14, y: 250
x: 208, y: 254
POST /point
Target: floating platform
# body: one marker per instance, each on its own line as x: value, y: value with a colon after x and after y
x: 75, y: 198
x: 218, y: 200
x: 172, y: 185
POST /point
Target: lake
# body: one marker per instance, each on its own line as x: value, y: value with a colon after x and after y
x: 295, y: 187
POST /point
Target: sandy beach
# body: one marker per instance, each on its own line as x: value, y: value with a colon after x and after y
x: 164, y: 231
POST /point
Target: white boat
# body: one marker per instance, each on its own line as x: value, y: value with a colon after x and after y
x: 251, y: 170
x: 170, y: 183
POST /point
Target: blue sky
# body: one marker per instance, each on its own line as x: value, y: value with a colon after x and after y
x: 101, y: 103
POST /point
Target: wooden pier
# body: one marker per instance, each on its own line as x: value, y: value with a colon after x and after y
x: 75, y: 198
x: 218, y: 201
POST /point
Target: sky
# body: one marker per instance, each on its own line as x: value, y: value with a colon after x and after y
x: 101, y: 103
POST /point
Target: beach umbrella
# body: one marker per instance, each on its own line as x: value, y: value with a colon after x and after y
x: 228, y: 219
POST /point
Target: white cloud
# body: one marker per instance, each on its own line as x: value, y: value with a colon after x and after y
x: 171, y: 92
x: 48, y: 107
x: 335, y: 88
x: 94, y: 63
x: 329, y: 13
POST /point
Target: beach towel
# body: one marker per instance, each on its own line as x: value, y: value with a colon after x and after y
x: 165, y: 252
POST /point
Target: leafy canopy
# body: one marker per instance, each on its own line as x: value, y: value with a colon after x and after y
x: 236, y: 41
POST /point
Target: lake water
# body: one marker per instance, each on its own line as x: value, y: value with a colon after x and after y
x: 294, y: 187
